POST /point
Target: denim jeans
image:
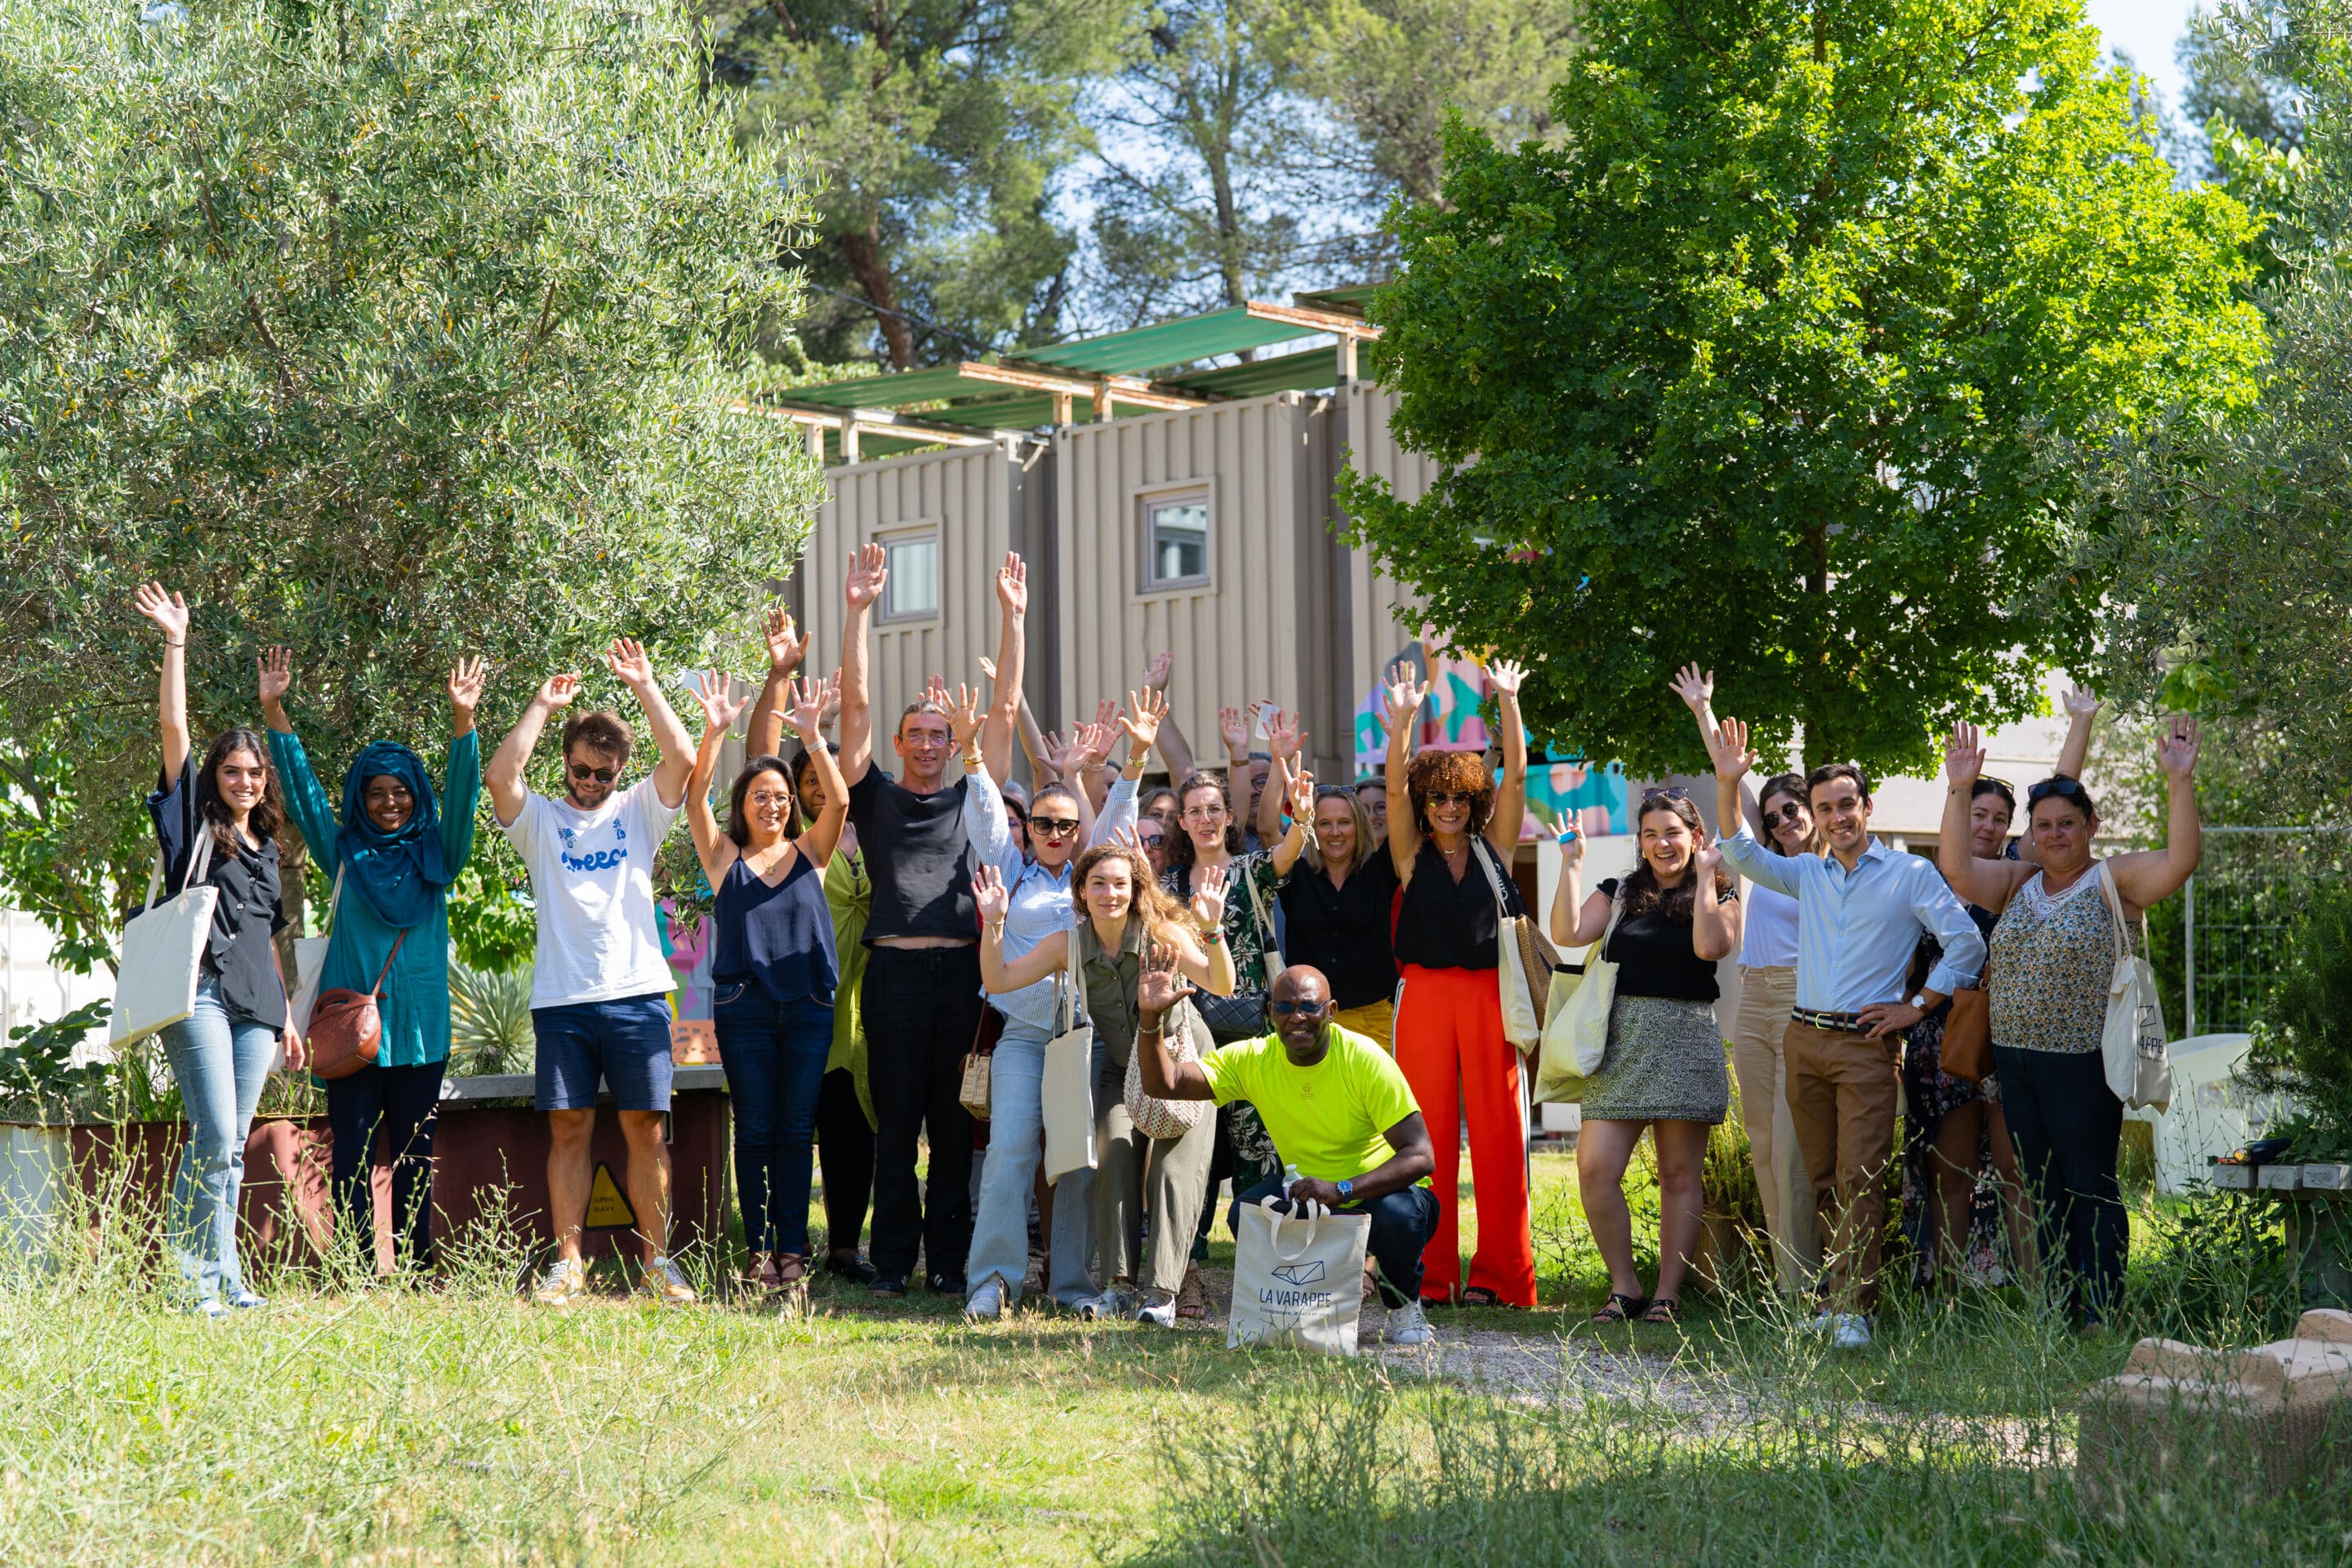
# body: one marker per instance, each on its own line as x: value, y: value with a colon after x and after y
x: 2066, y: 1122
x: 774, y: 1055
x: 219, y: 1064
x: 401, y: 1101
x: 1000, y: 1235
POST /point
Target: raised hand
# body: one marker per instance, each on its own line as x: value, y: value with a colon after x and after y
x: 786, y: 644
x: 988, y: 894
x: 1695, y: 690
x: 964, y: 715
x: 1159, y: 985
x: 558, y: 690
x: 1302, y: 800
x: 1284, y: 738
x: 1156, y: 673
x: 1143, y: 715
x: 868, y: 571
x: 168, y: 611
x: 1209, y: 898
x: 467, y: 678
x: 808, y: 702
x: 1234, y: 724
x: 1402, y: 695
x: 2176, y: 747
x: 1732, y: 757
x: 1964, y: 755
x: 627, y: 661
x: 987, y: 666
x: 1507, y: 674
x: 1572, y: 851
x: 1064, y: 755
x: 1706, y: 861
x: 1096, y: 741
x: 274, y: 675
x: 720, y: 709
x: 1013, y: 586
x: 831, y: 698
x: 2080, y: 704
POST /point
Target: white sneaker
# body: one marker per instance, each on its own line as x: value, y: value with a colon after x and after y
x: 663, y: 1284
x: 987, y: 1303
x: 1408, y: 1325
x: 565, y: 1281
x: 1161, y: 1313
x: 1110, y: 1306
x: 1850, y: 1331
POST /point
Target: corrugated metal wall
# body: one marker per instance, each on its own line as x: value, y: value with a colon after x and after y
x: 1376, y: 631
x: 1251, y: 631
x: 981, y: 501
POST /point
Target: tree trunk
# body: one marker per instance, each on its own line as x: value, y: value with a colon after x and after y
x: 864, y: 251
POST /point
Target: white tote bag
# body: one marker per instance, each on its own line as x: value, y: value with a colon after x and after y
x: 1299, y: 1281
x: 163, y: 950
x: 311, y: 961
x: 2138, y: 1059
x: 1067, y: 1095
x: 1519, y: 946
x: 1576, y: 1037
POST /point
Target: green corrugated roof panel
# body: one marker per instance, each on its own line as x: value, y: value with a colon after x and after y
x: 893, y: 390
x: 1132, y: 352
x: 1350, y: 299
x: 1307, y: 371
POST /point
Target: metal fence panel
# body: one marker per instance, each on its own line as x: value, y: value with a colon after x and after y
x: 2218, y: 946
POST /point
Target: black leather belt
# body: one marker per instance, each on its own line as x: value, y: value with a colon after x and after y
x: 1835, y: 1022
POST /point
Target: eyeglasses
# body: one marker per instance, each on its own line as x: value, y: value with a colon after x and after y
x: 1053, y: 827
x: 1789, y: 811
x: 767, y: 797
x: 584, y: 773
x: 1295, y: 1009
x: 1452, y: 797
x: 2063, y: 788
x: 1203, y: 813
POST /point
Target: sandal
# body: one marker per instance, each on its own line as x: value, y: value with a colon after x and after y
x: 1618, y: 1309
x: 1191, y: 1297
x: 1479, y: 1296
x: 1663, y: 1310
x: 791, y: 1269
x: 762, y: 1276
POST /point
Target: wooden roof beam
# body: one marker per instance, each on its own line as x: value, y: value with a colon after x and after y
x: 877, y: 421
x: 1313, y: 320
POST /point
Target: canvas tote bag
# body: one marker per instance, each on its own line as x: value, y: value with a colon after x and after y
x: 2138, y: 1059
x: 1575, y: 1035
x: 310, y: 961
x: 1298, y: 1280
x: 1067, y: 1094
x: 163, y: 950
x: 1524, y: 960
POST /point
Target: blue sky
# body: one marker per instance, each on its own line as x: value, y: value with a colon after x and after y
x: 2146, y: 30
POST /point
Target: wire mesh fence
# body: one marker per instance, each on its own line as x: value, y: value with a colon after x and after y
x: 2219, y: 945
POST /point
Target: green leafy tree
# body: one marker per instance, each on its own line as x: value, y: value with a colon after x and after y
x: 1748, y: 369
x: 938, y: 132
x: 387, y: 331
x: 2224, y: 540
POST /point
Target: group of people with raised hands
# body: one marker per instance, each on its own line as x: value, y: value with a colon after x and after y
x: 1327, y: 974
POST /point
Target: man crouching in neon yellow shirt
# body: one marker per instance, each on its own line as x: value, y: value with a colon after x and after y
x: 1338, y: 1108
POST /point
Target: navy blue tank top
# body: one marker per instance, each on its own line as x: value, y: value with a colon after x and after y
x: 777, y: 940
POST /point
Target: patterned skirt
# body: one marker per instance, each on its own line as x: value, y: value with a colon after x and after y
x: 1665, y: 1063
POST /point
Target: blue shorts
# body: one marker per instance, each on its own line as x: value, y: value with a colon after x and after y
x: 625, y: 1041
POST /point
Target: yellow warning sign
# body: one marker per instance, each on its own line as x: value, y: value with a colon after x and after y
x: 606, y: 1206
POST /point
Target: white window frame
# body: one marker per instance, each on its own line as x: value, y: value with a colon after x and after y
x: 894, y: 538
x: 1146, y: 500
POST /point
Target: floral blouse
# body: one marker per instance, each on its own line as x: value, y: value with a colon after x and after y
x: 1248, y: 939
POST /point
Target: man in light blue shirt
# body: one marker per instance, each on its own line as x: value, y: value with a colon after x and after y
x: 1860, y: 912
x: 1041, y: 910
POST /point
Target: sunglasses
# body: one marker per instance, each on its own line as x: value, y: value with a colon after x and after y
x: 1664, y: 791
x: 1053, y: 827
x: 1149, y: 839
x: 1295, y: 1009
x: 584, y: 773
x: 1452, y: 797
x: 2065, y: 789
x: 1788, y: 811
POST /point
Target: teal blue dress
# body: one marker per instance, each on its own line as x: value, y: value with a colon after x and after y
x: 416, y: 1008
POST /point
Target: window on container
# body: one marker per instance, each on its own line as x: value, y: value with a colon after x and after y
x: 912, y: 592
x: 1176, y: 541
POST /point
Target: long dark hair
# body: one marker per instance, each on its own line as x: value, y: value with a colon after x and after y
x: 1680, y: 901
x: 738, y: 827
x: 1793, y: 787
x: 267, y: 818
x: 1180, y: 843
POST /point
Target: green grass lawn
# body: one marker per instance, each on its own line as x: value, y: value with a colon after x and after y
x: 459, y: 1424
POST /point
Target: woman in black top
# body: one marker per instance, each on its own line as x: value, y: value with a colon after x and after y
x: 1677, y: 916
x: 1337, y: 917
x: 774, y: 968
x: 218, y: 823
x: 1450, y: 843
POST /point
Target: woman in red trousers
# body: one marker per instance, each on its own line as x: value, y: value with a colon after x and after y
x: 1449, y: 1014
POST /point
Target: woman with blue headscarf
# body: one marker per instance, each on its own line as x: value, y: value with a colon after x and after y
x: 393, y: 851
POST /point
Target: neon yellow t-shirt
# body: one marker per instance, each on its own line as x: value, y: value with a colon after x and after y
x: 1331, y: 1119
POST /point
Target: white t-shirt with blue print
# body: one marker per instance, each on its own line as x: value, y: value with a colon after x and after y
x: 592, y: 877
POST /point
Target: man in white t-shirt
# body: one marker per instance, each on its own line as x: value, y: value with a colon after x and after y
x: 598, y: 993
